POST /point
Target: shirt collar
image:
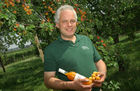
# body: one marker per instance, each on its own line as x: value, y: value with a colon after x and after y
x: 62, y: 40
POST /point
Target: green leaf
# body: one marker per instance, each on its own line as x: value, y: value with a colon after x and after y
x: 91, y: 36
x: 4, y: 16
x: 30, y: 27
x: 98, y: 23
x: 22, y: 27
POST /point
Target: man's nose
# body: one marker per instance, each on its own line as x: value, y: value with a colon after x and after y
x: 69, y: 23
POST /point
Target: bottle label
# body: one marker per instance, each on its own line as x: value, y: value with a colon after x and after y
x: 78, y: 76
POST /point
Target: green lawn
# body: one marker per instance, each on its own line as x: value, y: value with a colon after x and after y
x: 27, y: 75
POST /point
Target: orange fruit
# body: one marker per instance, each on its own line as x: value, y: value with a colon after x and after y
x: 45, y: 6
x: 93, y: 78
x: 46, y: 13
x: 14, y: 12
x: 87, y: 82
x: 104, y: 45
x: 15, y: 29
x: 90, y: 78
x: 23, y: 5
x: 27, y: 7
x: 42, y: 22
x: 93, y: 75
x: 57, y: 0
x: 97, y: 78
x: 53, y: 12
x: 17, y: 24
x: 18, y: 1
x: 71, y: 75
x: 76, y: 5
x: 102, y: 41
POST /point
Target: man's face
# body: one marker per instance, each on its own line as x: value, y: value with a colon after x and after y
x: 67, y: 24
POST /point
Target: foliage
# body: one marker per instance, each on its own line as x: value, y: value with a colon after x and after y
x: 113, y: 17
x: 106, y: 50
x: 113, y: 55
x: 121, y: 58
x: 111, y: 85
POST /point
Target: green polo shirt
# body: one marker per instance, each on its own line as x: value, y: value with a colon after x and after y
x: 79, y: 56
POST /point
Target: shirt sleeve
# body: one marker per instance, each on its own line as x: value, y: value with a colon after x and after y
x: 49, y: 61
x: 96, y: 55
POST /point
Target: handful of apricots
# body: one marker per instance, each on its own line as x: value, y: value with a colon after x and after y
x: 92, y: 78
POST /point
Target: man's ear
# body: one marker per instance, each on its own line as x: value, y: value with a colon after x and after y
x: 57, y: 25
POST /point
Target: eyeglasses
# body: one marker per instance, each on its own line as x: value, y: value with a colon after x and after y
x: 71, y: 21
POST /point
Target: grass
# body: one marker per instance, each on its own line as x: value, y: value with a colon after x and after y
x: 27, y: 75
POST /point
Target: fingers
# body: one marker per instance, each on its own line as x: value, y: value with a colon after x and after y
x: 102, y: 78
x: 99, y: 81
x: 85, y: 86
x: 97, y: 85
x: 79, y: 86
x: 84, y: 80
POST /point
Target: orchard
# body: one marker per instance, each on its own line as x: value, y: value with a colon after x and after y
x: 102, y: 21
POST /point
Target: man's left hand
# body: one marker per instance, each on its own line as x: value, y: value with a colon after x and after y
x: 98, y: 83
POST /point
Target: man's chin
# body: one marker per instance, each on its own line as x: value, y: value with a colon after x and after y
x: 68, y: 35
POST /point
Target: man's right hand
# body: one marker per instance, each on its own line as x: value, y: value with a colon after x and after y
x: 79, y: 86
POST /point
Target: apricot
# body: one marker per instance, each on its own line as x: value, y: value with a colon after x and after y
x: 97, y: 78
x: 87, y: 82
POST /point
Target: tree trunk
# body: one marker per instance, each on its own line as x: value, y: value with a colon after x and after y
x: 121, y: 66
x: 116, y: 38
x: 2, y: 65
x: 41, y: 54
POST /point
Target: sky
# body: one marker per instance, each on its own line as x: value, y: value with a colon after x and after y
x: 15, y: 46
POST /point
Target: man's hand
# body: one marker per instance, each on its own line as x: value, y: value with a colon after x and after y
x: 101, y: 67
x: 79, y: 86
x: 98, y: 83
